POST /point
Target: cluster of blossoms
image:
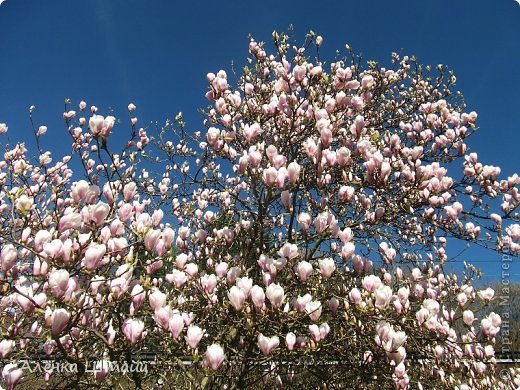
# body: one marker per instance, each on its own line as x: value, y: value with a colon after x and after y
x: 302, y: 239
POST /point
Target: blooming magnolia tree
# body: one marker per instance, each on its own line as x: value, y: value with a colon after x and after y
x: 302, y: 240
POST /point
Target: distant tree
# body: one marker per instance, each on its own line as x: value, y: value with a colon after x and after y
x: 300, y: 241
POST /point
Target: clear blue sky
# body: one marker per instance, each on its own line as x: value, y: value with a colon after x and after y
x: 156, y: 54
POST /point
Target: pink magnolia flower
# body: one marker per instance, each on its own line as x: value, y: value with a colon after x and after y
x: 96, y: 283
x: 388, y: 338
x: 233, y: 273
x: 188, y: 318
x: 293, y: 171
x: 245, y: 284
x: 371, y: 282
x: 355, y: 296
x: 300, y: 302
x: 40, y: 266
x: 176, y: 325
x: 333, y: 304
x: 316, y: 71
x: 101, y: 370
x: 68, y: 115
x: 157, y: 299
x: 490, y: 325
x: 6, y: 346
x: 111, y: 334
x: 11, y: 374
x: 383, y: 296
x: 178, y: 278
x: 125, y: 212
x: 343, y: 158
x: 79, y: 190
x: 286, y: 199
x: 69, y: 221
x: 299, y: 72
x: 24, y: 203
x: 304, y: 270
x: 325, y: 133
x: 468, y: 317
x: 180, y: 260
x: 133, y: 330
x: 289, y: 251
x: 191, y: 269
x: 168, y: 235
x: 163, y: 316
x: 388, y: 253
x: 324, y: 330
x: 193, y: 336
x: 489, y: 351
x: 487, y: 294
x: 269, y: 176
x: 58, y: 282
x: 101, y: 126
x: 422, y: 315
x: 290, y: 340
x: 327, y: 267
x: 462, y: 298
x: 403, y: 293
x: 220, y: 82
x: 236, y: 298
x: 93, y: 256
x: 254, y: 158
x: 313, y: 310
x: 496, y: 218
x: 151, y: 239
x: 276, y: 295
x: 251, y: 132
x: 138, y: 295
x: 348, y: 250
x: 322, y: 222
x: 314, y: 331
x: 304, y: 220
x: 258, y: 297
x: 214, y: 356
x: 129, y: 190
x: 59, y: 320
x: 400, y: 370
x: 41, y: 237
x: 209, y: 283
x: 8, y: 257
x: 267, y: 344
x: 143, y: 221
